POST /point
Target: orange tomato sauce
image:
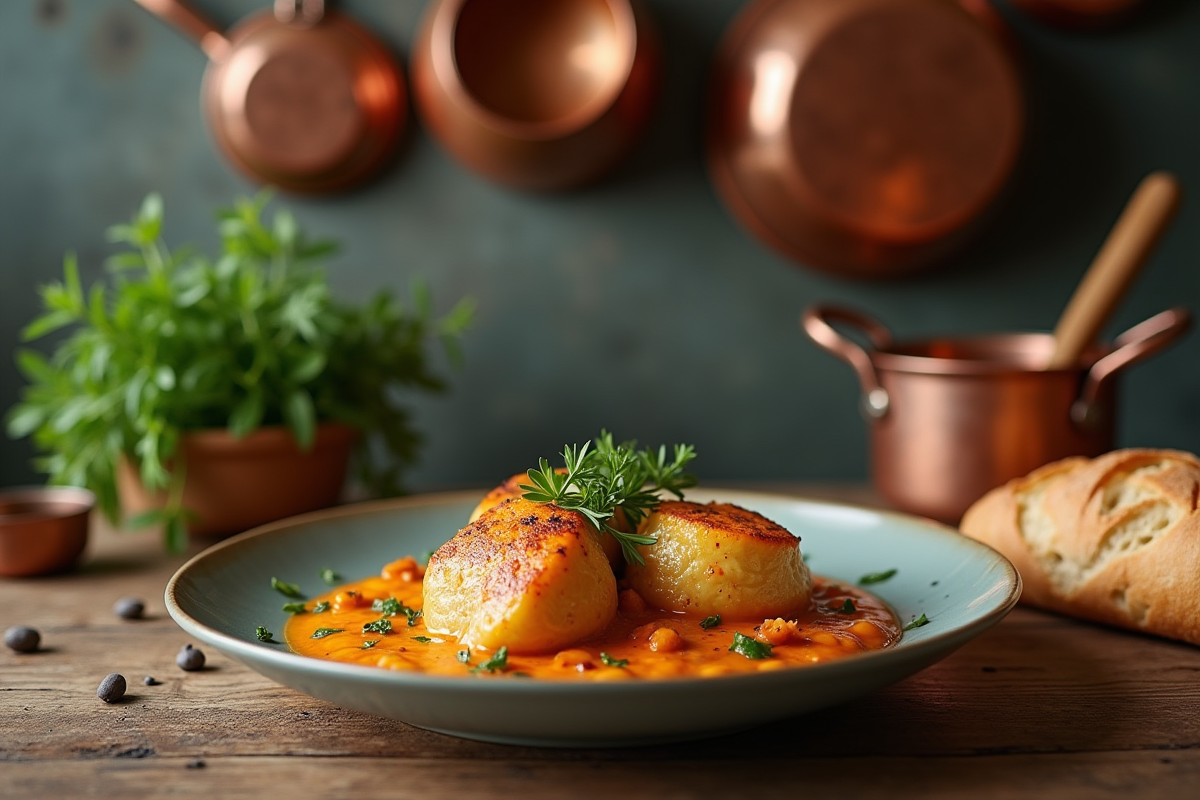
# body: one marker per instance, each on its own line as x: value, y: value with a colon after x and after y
x: 653, y: 643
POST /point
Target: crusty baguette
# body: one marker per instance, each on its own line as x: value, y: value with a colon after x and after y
x: 1114, y: 539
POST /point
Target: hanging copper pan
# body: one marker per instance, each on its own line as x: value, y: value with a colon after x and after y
x: 862, y: 137
x: 300, y: 97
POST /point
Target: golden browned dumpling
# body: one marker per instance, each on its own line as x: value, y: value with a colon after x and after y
x: 720, y: 559
x: 512, y: 488
x: 529, y: 576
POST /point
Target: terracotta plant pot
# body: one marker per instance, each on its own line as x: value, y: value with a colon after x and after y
x: 235, y: 484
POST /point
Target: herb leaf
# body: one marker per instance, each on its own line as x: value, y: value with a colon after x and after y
x: 330, y: 577
x: 710, y: 622
x: 321, y: 633
x: 422, y: 639
x: 321, y: 607
x: 286, y: 589
x: 847, y: 607
x: 749, y: 647
x: 378, y: 626
x: 390, y: 607
x: 369, y: 643
x: 609, y: 661
x: 497, y: 662
x: 597, y: 482
x: 919, y: 622
x: 264, y: 635
x: 876, y: 577
x: 464, y: 655
x: 295, y: 608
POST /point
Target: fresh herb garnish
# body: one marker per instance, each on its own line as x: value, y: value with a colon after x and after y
x: 391, y: 607
x: 264, y: 635
x: 422, y: 639
x: 286, y: 589
x: 321, y: 607
x: 330, y: 577
x: 321, y: 633
x: 378, y: 626
x: 876, y: 577
x: 369, y: 643
x: 464, y: 656
x: 294, y: 608
x: 749, y: 647
x: 599, y: 481
x: 496, y: 663
x: 847, y: 607
x: 917, y: 623
x: 609, y: 661
x: 428, y: 554
x: 710, y: 622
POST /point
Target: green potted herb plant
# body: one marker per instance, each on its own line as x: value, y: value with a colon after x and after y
x: 219, y: 394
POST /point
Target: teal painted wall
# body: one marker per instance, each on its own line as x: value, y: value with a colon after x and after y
x: 636, y: 304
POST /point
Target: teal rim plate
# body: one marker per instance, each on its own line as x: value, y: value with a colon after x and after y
x: 224, y: 593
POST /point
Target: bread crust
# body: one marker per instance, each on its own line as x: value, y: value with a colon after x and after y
x: 1115, y: 539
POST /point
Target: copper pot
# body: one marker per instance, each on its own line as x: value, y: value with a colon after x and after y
x: 300, y: 97
x: 952, y: 418
x: 536, y: 94
x: 865, y: 138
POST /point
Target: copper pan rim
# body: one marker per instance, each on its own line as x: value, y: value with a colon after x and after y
x: 982, y: 354
x: 446, y: 71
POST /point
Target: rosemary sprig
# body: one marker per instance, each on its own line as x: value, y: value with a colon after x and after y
x: 597, y: 482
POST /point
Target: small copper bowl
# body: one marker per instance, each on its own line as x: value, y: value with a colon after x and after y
x: 42, y: 529
x: 536, y: 94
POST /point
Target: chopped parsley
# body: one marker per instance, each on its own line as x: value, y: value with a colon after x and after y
x: 383, y: 625
x: 330, y: 577
x: 369, y: 643
x: 264, y: 635
x: 917, y: 623
x: 321, y: 633
x: 876, y: 577
x: 391, y: 607
x: 749, y: 647
x: 321, y: 607
x: 847, y: 607
x: 422, y: 639
x: 294, y: 608
x: 286, y: 589
x: 496, y: 663
x: 464, y: 656
x: 609, y: 661
x: 710, y: 622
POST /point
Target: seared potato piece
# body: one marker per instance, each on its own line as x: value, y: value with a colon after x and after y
x: 720, y: 559
x: 512, y: 488
x: 527, y: 575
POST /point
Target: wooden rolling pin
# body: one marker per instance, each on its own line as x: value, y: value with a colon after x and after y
x: 1121, y: 257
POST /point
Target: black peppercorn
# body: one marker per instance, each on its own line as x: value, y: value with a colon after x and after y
x: 190, y: 658
x: 22, y: 638
x: 112, y: 688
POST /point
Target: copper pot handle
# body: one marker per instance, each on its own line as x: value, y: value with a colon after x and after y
x: 816, y: 323
x: 178, y: 14
x: 1144, y: 339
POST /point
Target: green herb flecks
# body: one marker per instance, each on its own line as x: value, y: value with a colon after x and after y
x: 609, y: 661
x: 463, y: 656
x: 847, y: 607
x: 264, y: 635
x: 369, y: 643
x: 749, y: 647
x: 390, y: 607
x: 321, y: 607
x: 378, y: 626
x: 321, y: 633
x: 710, y: 622
x: 597, y: 482
x: 422, y: 639
x: 295, y: 608
x: 287, y: 589
x: 919, y: 622
x: 876, y: 577
x: 330, y: 577
x: 496, y: 663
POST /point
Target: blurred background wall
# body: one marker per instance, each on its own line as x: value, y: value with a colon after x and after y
x: 636, y: 304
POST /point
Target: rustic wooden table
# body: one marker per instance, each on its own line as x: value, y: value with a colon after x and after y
x: 1038, y: 706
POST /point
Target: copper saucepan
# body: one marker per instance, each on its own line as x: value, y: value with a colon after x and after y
x: 865, y: 138
x: 301, y: 97
x: 536, y: 94
x: 952, y: 418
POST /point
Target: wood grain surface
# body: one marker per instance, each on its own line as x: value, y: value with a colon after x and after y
x: 1039, y: 706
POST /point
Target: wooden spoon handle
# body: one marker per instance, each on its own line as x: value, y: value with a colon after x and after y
x: 1116, y: 265
x: 175, y: 12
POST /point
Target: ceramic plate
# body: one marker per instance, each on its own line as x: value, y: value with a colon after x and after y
x: 221, y: 595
